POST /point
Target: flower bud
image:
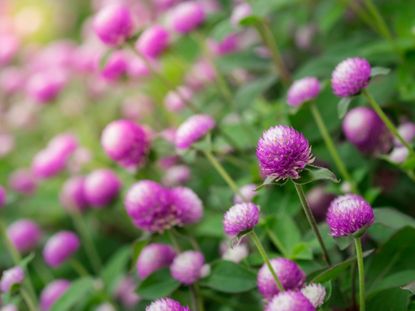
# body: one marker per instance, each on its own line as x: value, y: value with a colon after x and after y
x: 52, y: 292
x: 187, y: 267
x: 10, y: 278
x: 101, y: 187
x: 24, y: 234
x: 60, y: 247
x: 154, y: 257
x: 240, y: 218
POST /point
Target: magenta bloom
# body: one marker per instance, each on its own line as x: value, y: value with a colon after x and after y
x: 186, y: 205
x: 52, y: 292
x: 60, y: 247
x: 64, y: 144
x: 113, y: 24
x: 23, y: 181
x: 187, y: 267
x: 407, y: 131
x: 348, y: 214
x: 290, y: 301
x: 319, y: 200
x: 47, y: 163
x: 125, y: 142
x: 166, y: 304
x: 44, y: 87
x: 302, y: 91
x: 154, y: 257
x: 153, y: 41
x: 176, y: 175
x: 288, y: 272
x: 11, y: 277
x: 9, y: 47
x: 186, y: 16
x: 137, y: 68
x: 11, y: 80
x: 193, y: 129
x: 3, y: 197
x: 24, y: 234
x: 283, y: 153
x: 229, y: 44
x: 248, y: 192
x: 177, y: 100
x: 350, y: 76
x: 240, y: 218
x: 116, y: 66
x: 101, y: 187
x: 72, y: 195
x: 201, y: 74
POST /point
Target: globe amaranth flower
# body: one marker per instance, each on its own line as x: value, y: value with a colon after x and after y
x: 227, y: 45
x: 3, y: 197
x: 113, y: 24
x: 101, y: 187
x: 292, y: 277
x: 248, y: 193
x: 60, y: 247
x: 24, y: 234
x: 186, y: 205
x: 116, y: 66
x: 407, y: 131
x: 177, y: 100
x: 364, y: 129
x: 315, y: 293
x: 154, y: 257
x: 188, y: 267
x: 319, y: 200
x: 283, y: 153
x: 72, y: 195
x: 193, y: 129
x: 166, y: 304
x: 44, y: 87
x: 125, y: 142
x: 234, y: 253
x: 186, y: 16
x: 240, y: 218
x: 11, y: 277
x: 52, y: 292
x: 302, y: 91
x: 64, y: 144
x: 23, y: 181
x: 153, y: 41
x: 290, y: 301
x: 125, y: 292
x: 350, y: 77
x: 47, y: 163
x: 349, y: 214
x: 176, y: 175
x: 398, y: 155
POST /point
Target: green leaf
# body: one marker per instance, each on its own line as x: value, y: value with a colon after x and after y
x: 392, y: 281
x: 409, y: 163
x: 221, y: 30
x: 157, y: 285
x: 250, y: 21
x: 392, y: 299
x: 78, y: 290
x: 138, y: 247
x: 229, y: 277
x: 313, y: 173
x: 114, y: 269
x: 25, y: 261
x: 393, y: 218
x: 379, y: 71
x: 247, y: 93
x: 343, y: 106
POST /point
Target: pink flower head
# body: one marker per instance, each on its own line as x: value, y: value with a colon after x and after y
x: 187, y: 267
x: 177, y: 100
x: 137, y: 68
x: 228, y: 45
x: 64, y: 144
x: 248, y: 192
x: 166, y: 304
x: 302, y: 91
x: 154, y: 257
x: 23, y: 181
x: 10, y: 278
x: 176, y: 175
x: 125, y: 292
x: 72, y: 195
x: 201, y: 74
x: 407, y: 131
x: 240, y: 218
x: 3, y: 196
x: 290, y: 301
x: 45, y: 86
x: 240, y: 11
x: 186, y: 205
x: 52, y: 292
x: 186, y: 16
x: 60, y: 247
x: 116, y: 66
x: 153, y: 41
x: 193, y: 129
x: 11, y: 80
x: 9, y: 47
x: 315, y: 293
x: 48, y: 163
x: 24, y: 234
x: 101, y: 187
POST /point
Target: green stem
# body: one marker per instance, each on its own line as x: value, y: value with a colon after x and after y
x: 361, y: 269
x: 197, y: 297
x: 277, y: 242
x: 331, y: 147
x: 31, y: 305
x: 264, y: 256
x: 79, y: 268
x: 312, y: 221
x: 386, y: 120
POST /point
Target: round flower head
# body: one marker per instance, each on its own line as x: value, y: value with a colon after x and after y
x: 147, y: 203
x: 24, y: 234
x: 350, y: 77
x: 302, y: 91
x: 348, y: 214
x: 248, y: 192
x: 23, y: 181
x: 315, y: 293
x: 283, y: 153
x: 72, y: 195
x: 193, y: 129
x: 64, y: 144
x: 290, y: 301
x: 186, y: 16
x: 11, y: 277
x: 288, y: 272
x: 115, y: 67
x: 398, y: 155
x: 166, y: 304
x: 229, y: 44
x: 154, y: 257
x: 176, y: 100
x: 60, y: 247
x: 240, y: 218
x: 11, y: 80
x: 3, y: 197
x: 188, y: 267
x: 176, y: 175
x: 407, y: 131
x: 364, y: 129
x: 186, y: 205
x: 125, y: 142
x: 153, y: 41
x: 48, y: 163
x: 113, y: 24
x: 52, y: 292
x: 101, y: 187
x: 319, y: 200
x: 44, y: 87
x: 125, y: 292
x: 236, y: 253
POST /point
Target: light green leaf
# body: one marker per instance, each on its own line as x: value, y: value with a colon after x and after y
x: 157, y: 285
x: 314, y: 173
x: 343, y: 106
x: 114, y: 269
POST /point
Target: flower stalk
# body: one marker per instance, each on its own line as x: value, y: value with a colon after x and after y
x: 361, y: 270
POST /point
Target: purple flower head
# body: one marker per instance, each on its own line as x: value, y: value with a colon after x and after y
x: 399, y: 154
x: 186, y: 16
x: 348, y: 214
x: 113, y: 24
x: 154, y: 257
x: 60, y: 247
x: 72, y: 195
x: 188, y: 267
x: 137, y: 68
x: 319, y: 200
x: 290, y: 301
x: 407, y: 131
x: 64, y: 144
x: 193, y: 129
x: 288, y: 272
x: 240, y: 11
x: 364, y: 129
x: 283, y: 153
x: 125, y: 142
x: 153, y: 41
x: 44, y: 87
x: 24, y: 234
x: 125, y: 292
x: 48, y: 163
x: 186, y: 205
x: 23, y: 181
x: 201, y: 74
x: 350, y: 77
x: 315, y: 293
x: 3, y: 197
x: 228, y: 45
x: 147, y: 203
x: 176, y: 175
x: 248, y: 192
x: 10, y: 278
x: 101, y: 187
x: 116, y: 66
x: 240, y: 218
x: 52, y: 292
x: 166, y: 304
x: 176, y: 100
x: 302, y: 91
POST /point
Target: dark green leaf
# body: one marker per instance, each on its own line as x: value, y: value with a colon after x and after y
x: 389, y: 300
x: 392, y: 281
x: 250, y: 21
x: 115, y: 268
x: 78, y: 291
x: 157, y: 285
x: 393, y: 218
x: 343, y: 106
x: 314, y: 173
